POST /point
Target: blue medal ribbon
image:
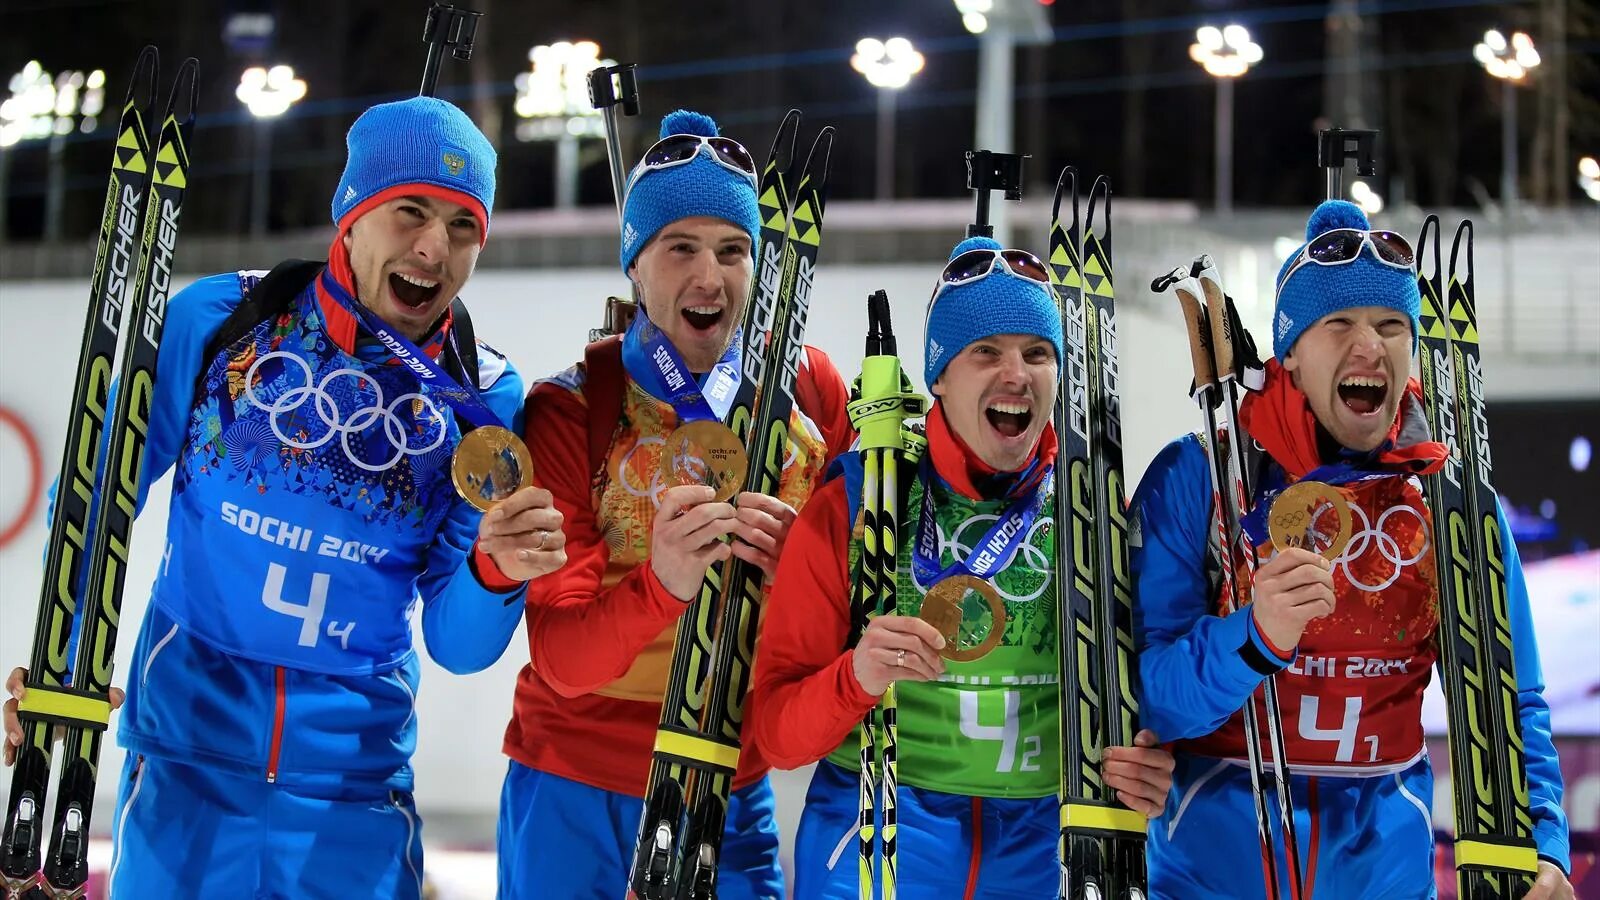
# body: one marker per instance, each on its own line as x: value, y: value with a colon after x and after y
x: 656, y: 365
x: 1255, y: 524
x: 464, y: 400
x: 998, y: 546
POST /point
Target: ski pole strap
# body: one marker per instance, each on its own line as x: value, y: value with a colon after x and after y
x: 1505, y: 854
x: 66, y: 706
x: 1095, y: 817
x: 695, y: 748
x: 463, y: 399
x: 656, y: 365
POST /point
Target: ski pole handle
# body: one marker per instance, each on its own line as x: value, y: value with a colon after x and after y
x: 446, y: 26
x: 1222, y: 350
x: 1196, y: 323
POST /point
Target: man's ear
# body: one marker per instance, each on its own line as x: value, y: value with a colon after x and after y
x: 347, y: 240
x: 1289, y: 363
x: 937, y: 389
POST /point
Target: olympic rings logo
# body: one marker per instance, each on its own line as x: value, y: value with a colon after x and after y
x: 293, y: 400
x: 1028, y: 554
x: 1369, y: 536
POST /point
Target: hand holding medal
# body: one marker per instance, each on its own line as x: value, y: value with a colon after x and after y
x: 489, y: 465
x: 1311, y: 515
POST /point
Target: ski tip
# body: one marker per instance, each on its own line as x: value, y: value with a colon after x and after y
x: 142, y: 89
x: 1100, y: 196
x: 1430, y: 226
x: 1066, y: 186
x: 185, y: 91
x: 1464, y: 230
x: 783, y: 145
x: 819, y: 163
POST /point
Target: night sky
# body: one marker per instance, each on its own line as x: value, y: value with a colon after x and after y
x: 1116, y: 92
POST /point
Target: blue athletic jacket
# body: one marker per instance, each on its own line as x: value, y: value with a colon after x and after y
x: 1198, y: 668
x: 312, y: 510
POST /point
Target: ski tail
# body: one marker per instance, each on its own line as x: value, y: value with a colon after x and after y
x: 1495, y: 854
x: 49, y: 697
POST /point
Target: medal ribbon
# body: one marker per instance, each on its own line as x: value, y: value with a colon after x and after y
x: 1255, y: 524
x: 657, y: 366
x: 996, y: 549
x: 462, y: 399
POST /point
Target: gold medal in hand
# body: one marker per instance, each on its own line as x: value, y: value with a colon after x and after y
x: 706, y: 452
x: 489, y: 465
x: 1313, y: 516
x: 969, y: 613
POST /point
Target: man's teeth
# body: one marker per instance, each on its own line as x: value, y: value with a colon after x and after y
x: 419, y: 282
x: 705, y: 310
x: 1015, y: 409
x: 1371, y: 381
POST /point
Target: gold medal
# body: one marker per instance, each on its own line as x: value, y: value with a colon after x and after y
x: 705, y: 452
x: 490, y: 464
x: 971, y: 625
x: 1312, y: 516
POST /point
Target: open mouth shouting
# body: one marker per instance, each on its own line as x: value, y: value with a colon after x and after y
x: 1364, y: 395
x: 413, y: 291
x: 1009, y: 416
x: 703, y: 318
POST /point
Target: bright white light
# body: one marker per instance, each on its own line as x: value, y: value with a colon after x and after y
x: 1366, y: 198
x: 1509, y: 61
x: 887, y: 64
x: 269, y: 93
x: 1580, y: 453
x: 1225, y: 52
x: 553, y: 95
x: 41, y: 105
x: 976, y: 23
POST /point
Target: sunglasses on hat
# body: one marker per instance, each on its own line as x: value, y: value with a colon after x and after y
x: 980, y: 263
x: 678, y: 149
x: 1344, y: 245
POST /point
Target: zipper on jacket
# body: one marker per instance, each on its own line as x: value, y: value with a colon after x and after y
x: 277, y: 726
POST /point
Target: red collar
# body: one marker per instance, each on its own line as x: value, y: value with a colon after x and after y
x: 964, y: 471
x: 1280, y: 419
x: 341, y: 323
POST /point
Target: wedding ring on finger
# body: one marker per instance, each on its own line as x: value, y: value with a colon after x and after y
x: 543, y: 536
x: 900, y: 658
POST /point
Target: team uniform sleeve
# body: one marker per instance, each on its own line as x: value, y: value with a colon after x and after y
x: 1550, y: 830
x: 469, y: 609
x: 582, y: 636
x: 833, y: 413
x: 805, y: 698
x: 192, y: 317
x: 1197, y: 669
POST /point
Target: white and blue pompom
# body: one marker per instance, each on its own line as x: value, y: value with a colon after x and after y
x: 975, y: 243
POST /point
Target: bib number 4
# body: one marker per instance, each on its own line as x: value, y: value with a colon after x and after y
x: 1007, y: 733
x: 310, y: 613
x: 1344, y: 737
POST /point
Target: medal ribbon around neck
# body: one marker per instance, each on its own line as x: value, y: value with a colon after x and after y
x: 701, y: 450
x: 993, y: 552
x: 491, y: 462
x: 1316, y: 495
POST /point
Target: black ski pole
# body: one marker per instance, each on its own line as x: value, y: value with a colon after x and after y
x: 449, y: 27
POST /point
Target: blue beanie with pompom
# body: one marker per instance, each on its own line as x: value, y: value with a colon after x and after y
x: 999, y: 303
x: 1314, y: 291
x: 701, y: 187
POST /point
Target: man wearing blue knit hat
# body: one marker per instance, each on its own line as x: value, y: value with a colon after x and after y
x: 978, y: 732
x: 600, y: 630
x: 270, y: 720
x: 1351, y: 641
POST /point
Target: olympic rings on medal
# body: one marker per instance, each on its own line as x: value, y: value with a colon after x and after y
x: 1367, y: 534
x: 327, y: 409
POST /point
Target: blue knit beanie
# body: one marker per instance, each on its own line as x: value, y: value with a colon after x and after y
x: 703, y: 187
x: 1315, y: 291
x: 998, y: 303
x: 419, y: 141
